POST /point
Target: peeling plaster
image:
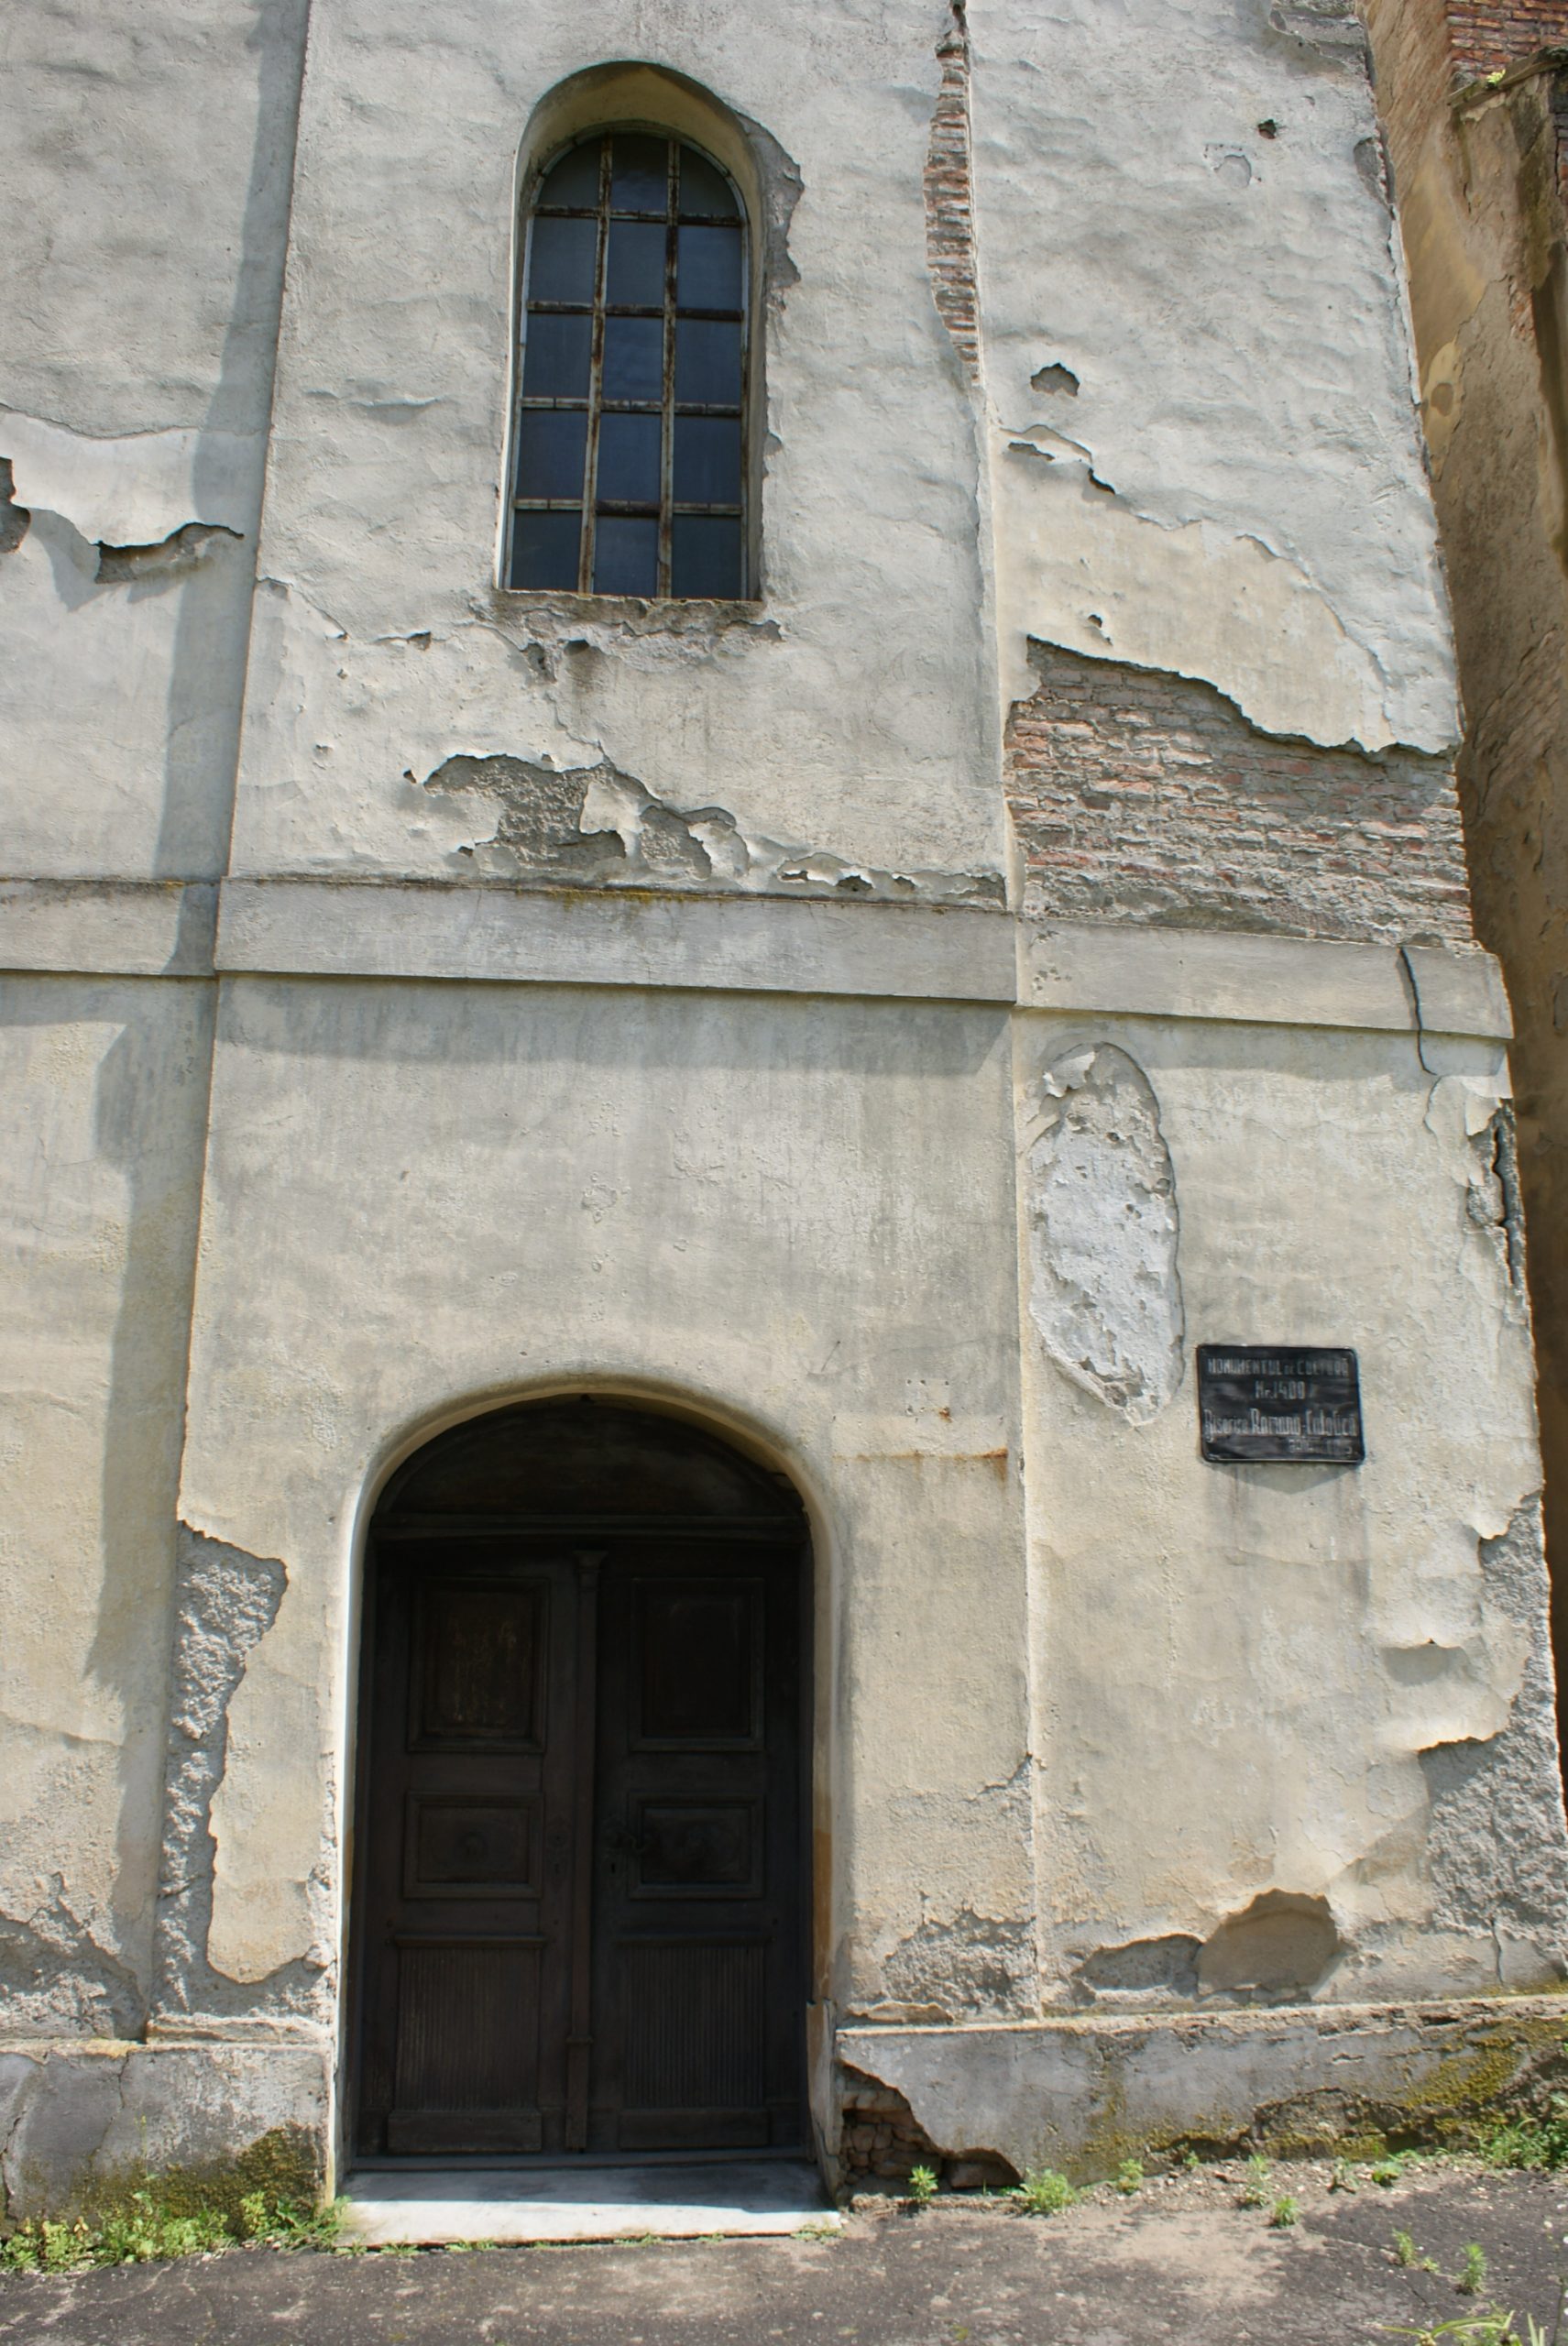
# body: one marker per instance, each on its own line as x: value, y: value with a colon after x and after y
x: 55, y: 1973
x: 1497, y: 1845
x: 135, y: 489
x: 1105, y: 1289
x: 969, y: 1967
x: 226, y: 1601
x: 1306, y: 588
x: 596, y: 825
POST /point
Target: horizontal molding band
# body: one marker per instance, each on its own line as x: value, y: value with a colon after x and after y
x: 873, y: 950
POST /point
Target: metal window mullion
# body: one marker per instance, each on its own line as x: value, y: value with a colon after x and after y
x: 667, y: 406
x: 596, y: 383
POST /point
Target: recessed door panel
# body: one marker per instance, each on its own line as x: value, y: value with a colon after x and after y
x: 470, y: 1821
x: 698, y: 2009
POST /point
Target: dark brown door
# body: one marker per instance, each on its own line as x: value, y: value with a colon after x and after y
x: 579, y: 1912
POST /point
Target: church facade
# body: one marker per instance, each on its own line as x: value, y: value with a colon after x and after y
x: 768, y: 1381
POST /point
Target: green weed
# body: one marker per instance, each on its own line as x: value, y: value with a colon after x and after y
x: 1259, y: 2180
x: 1129, y: 2176
x: 1043, y: 2192
x: 1526, y: 2141
x: 1471, y: 2278
x: 1284, y: 2212
x: 145, y: 2232
x: 922, y: 2185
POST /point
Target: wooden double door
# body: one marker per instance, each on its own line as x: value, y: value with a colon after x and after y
x: 580, y: 1915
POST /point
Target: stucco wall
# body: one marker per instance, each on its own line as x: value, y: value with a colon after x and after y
x: 144, y: 206
x: 103, y: 1098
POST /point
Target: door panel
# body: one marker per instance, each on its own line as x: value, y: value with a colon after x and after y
x: 471, y: 1821
x: 697, y: 2005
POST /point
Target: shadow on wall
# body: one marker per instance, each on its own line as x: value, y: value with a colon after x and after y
x: 214, y: 625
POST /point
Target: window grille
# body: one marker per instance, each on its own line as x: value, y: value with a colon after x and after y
x: 630, y: 447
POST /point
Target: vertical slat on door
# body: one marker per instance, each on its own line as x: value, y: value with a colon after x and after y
x: 579, y: 2040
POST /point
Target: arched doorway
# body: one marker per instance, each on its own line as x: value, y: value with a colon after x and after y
x: 579, y: 1912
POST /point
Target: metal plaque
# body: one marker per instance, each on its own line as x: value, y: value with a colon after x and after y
x: 1259, y: 1402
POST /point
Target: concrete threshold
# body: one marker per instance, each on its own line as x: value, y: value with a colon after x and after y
x: 427, y: 2206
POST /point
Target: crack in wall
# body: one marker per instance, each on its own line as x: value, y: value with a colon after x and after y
x: 1105, y: 1288
x: 224, y: 1602
x: 597, y: 826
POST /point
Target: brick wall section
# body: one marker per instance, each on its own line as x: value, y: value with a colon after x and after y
x: 1486, y: 35
x: 1140, y: 796
x: 881, y: 2144
x: 950, y: 199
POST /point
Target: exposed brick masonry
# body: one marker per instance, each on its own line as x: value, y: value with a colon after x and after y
x: 1139, y: 797
x: 881, y: 2142
x: 950, y: 204
x: 1487, y: 35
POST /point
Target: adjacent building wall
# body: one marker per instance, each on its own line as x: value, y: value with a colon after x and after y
x: 1475, y: 112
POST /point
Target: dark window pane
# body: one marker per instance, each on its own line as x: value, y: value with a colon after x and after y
x: 575, y: 180
x: 705, y: 555
x: 634, y: 359
x: 708, y: 460
x: 707, y: 362
x: 640, y: 172
x: 705, y: 192
x: 629, y: 460
x: 626, y: 557
x: 636, y: 264
x: 561, y: 259
x: 708, y: 275
x: 555, y: 360
x: 545, y: 549
x: 550, y: 452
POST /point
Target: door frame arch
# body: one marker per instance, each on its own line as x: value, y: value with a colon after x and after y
x: 753, y: 1441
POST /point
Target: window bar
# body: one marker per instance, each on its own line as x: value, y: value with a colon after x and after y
x: 667, y: 393
x: 596, y: 382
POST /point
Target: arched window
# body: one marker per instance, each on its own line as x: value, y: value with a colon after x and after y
x: 630, y: 454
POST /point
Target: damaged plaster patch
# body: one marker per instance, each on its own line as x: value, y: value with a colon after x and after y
x: 1105, y: 1289
x: 135, y: 490
x: 226, y: 1601
x: 950, y: 199
x: 54, y: 1975
x: 1140, y: 1971
x: 595, y: 824
x: 13, y: 517
x: 1478, y: 1130
x: 973, y: 1968
x: 1497, y: 1847
x: 1090, y: 572
x: 1155, y: 799
x: 172, y: 557
x: 1276, y: 1951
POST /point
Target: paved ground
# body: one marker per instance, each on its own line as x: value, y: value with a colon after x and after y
x: 1180, y: 2261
